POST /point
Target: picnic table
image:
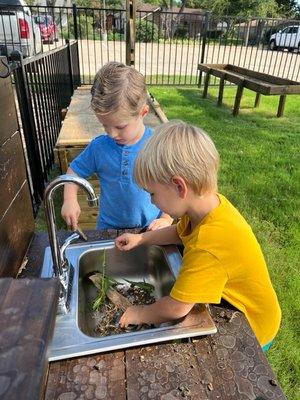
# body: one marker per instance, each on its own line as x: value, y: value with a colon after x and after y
x: 227, y: 365
x: 246, y: 78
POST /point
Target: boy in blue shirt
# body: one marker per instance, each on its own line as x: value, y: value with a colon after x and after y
x: 119, y: 100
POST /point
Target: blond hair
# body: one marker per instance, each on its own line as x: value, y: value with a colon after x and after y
x: 179, y: 149
x: 118, y: 87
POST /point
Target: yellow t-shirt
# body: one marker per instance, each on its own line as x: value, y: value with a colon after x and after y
x: 222, y: 259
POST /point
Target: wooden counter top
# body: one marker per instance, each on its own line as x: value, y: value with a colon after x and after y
x: 225, y: 366
x: 81, y: 125
x: 27, y: 316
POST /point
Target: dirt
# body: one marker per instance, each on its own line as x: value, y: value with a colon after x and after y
x: 108, y: 316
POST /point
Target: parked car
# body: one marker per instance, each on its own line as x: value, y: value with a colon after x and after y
x: 48, y: 28
x: 18, y: 31
x: 287, y: 38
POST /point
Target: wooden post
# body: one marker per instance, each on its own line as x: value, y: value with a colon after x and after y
x: 257, y: 100
x: 281, y: 105
x: 238, y: 97
x: 206, y: 83
x: 130, y: 31
x: 221, y: 90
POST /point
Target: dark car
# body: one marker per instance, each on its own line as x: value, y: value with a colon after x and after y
x: 48, y: 28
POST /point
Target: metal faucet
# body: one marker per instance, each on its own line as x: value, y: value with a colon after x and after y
x: 61, y: 266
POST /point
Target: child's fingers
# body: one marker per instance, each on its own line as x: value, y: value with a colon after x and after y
x: 74, y: 223
x: 121, y: 242
x: 122, y: 321
x: 152, y: 225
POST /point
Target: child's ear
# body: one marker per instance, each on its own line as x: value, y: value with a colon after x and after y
x: 144, y: 111
x: 181, y: 186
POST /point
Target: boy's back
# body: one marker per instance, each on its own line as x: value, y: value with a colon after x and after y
x: 222, y: 259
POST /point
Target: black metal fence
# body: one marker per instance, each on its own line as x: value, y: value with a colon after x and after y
x: 166, y: 47
x: 169, y: 45
x: 44, y: 85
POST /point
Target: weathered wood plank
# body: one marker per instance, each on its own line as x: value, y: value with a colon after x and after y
x: 244, y: 78
x: 221, y: 91
x: 16, y: 229
x: 258, y: 82
x: 167, y: 371
x: 274, y: 80
x: 12, y: 170
x: 94, y: 377
x: 257, y: 100
x: 238, y: 98
x: 27, y: 315
x: 81, y: 124
x: 206, y: 83
x: 232, y: 365
x: 8, y: 117
x: 281, y: 105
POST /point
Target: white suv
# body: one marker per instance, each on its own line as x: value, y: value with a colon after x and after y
x: 287, y: 38
x: 18, y: 30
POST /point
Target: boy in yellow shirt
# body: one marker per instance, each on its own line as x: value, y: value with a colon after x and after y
x: 222, y: 258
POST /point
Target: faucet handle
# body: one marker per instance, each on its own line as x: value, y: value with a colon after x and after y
x: 77, y: 234
x: 94, y: 202
x: 81, y: 234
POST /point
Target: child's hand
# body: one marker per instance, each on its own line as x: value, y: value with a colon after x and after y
x: 159, y: 223
x: 70, y: 212
x: 128, y: 241
x: 132, y: 316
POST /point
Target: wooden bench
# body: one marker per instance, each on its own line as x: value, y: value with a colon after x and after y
x: 260, y: 83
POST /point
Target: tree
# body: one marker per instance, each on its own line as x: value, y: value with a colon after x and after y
x: 245, y: 8
x: 288, y: 8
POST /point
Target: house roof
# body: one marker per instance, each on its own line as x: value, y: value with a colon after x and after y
x: 154, y: 8
x: 255, y: 22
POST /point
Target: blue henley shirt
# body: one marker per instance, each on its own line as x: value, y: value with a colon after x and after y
x: 123, y: 203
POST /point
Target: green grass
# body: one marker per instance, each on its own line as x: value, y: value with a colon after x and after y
x: 260, y: 175
x: 40, y: 220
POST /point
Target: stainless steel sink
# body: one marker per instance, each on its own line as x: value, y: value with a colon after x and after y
x: 75, y: 333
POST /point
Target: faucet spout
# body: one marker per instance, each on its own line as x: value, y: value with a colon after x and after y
x: 57, y: 258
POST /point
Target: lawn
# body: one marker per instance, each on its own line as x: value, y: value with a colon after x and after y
x: 260, y: 175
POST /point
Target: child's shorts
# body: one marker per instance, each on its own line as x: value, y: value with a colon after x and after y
x: 267, y: 346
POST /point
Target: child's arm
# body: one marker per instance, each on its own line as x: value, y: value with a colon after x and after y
x: 163, y: 310
x: 163, y: 221
x: 70, y: 210
x: 163, y: 236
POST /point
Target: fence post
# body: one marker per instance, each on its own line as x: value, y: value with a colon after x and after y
x: 70, y: 66
x: 75, y: 21
x: 130, y: 31
x: 203, y: 47
x: 28, y: 125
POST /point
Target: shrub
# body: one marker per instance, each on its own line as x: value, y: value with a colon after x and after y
x: 181, y: 32
x: 146, y: 31
x: 84, y: 26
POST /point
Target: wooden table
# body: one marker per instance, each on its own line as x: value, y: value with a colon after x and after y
x: 245, y: 78
x: 227, y: 365
x: 27, y: 316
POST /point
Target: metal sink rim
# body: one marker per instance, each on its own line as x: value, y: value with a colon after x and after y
x: 81, y: 344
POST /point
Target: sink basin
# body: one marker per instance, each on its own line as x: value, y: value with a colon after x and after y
x: 75, y: 333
